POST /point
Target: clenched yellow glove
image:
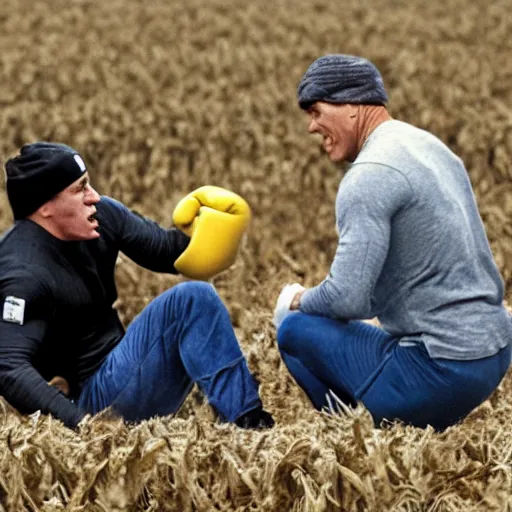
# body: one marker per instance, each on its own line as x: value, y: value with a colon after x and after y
x: 215, y: 220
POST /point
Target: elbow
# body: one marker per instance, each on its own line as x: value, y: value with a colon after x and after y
x: 353, y: 308
x: 347, y: 304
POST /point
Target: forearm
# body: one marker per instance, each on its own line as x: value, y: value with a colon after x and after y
x: 25, y: 389
x: 326, y: 300
x: 141, y: 239
x: 156, y: 249
x: 21, y: 340
x: 346, y: 292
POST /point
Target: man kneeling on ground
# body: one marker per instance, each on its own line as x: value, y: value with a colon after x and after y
x: 412, y: 251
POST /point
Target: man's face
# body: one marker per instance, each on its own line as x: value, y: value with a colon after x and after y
x: 336, y: 123
x: 71, y: 211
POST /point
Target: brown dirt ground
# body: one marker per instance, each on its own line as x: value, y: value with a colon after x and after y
x: 161, y: 97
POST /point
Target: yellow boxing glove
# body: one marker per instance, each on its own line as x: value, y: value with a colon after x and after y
x: 215, y: 220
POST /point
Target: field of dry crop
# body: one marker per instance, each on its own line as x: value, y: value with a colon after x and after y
x: 163, y: 96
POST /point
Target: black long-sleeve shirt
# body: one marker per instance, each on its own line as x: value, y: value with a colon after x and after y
x: 57, y: 315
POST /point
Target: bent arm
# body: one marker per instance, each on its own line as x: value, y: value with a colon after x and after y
x: 23, y: 328
x: 21, y: 384
x: 144, y: 241
x: 368, y: 197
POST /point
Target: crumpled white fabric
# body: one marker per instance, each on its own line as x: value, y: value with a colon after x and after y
x: 284, y: 301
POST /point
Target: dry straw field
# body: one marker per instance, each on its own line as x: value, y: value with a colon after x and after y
x: 163, y: 96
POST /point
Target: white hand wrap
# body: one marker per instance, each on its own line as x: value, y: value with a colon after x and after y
x: 284, y: 302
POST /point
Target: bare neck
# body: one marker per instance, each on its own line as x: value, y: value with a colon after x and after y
x: 369, y: 117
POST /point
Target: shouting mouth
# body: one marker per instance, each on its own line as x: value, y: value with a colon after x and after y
x: 92, y: 220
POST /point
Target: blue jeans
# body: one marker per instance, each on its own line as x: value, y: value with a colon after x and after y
x: 360, y: 362
x: 183, y: 336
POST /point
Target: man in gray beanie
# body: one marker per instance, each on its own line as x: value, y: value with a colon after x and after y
x: 412, y: 252
x: 58, y: 325
x: 342, y: 79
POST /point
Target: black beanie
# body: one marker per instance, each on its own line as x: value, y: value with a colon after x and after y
x: 39, y: 172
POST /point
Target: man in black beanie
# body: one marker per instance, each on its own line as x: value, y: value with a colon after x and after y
x: 412, y: 251
x: 57, y: 290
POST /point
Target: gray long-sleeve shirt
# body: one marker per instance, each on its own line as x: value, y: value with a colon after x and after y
x: 413, y: 250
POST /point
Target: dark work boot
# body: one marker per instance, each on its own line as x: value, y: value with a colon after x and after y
x: 257, y: 419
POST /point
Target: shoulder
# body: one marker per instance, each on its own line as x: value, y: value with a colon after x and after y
x: 108, y: 205
x: 400, y: 145
x: 116, y: 217
x: 379, y: 178
x: 24, y: 279
x: 14, y: 235
x: 375, y: 189
x: 23, y: 255
x: 112, y: 210
x: 22, y: 246
x: 398, y: 131
x: 25, y: 246
x: 111, y: 215
x: 23, y: 293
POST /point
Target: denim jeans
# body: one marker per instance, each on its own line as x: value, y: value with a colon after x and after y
x: 361, y: 362
x: 183, y: 336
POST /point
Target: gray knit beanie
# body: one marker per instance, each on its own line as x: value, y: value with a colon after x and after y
x: 339, y: 78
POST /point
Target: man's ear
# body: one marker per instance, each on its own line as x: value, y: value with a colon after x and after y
x: 46, y: 210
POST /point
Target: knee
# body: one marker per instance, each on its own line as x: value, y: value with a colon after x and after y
x: 195, y: 292
x: 287, y: 333
x: 194, y: 288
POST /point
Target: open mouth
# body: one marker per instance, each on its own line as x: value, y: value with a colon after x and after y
x: 92, y: 218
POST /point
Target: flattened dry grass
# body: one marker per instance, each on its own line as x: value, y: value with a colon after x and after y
x: 161, y: 97
x: 314, y: 462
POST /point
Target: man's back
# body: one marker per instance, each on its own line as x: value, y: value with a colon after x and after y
x: 439, y: 282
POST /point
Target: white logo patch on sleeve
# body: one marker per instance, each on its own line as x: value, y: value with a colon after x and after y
x: 14, y: 310
x: 80, y: 162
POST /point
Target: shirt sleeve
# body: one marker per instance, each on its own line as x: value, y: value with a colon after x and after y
x: 141, y: 239
x: 368, y: 198
x: 23, y: 324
